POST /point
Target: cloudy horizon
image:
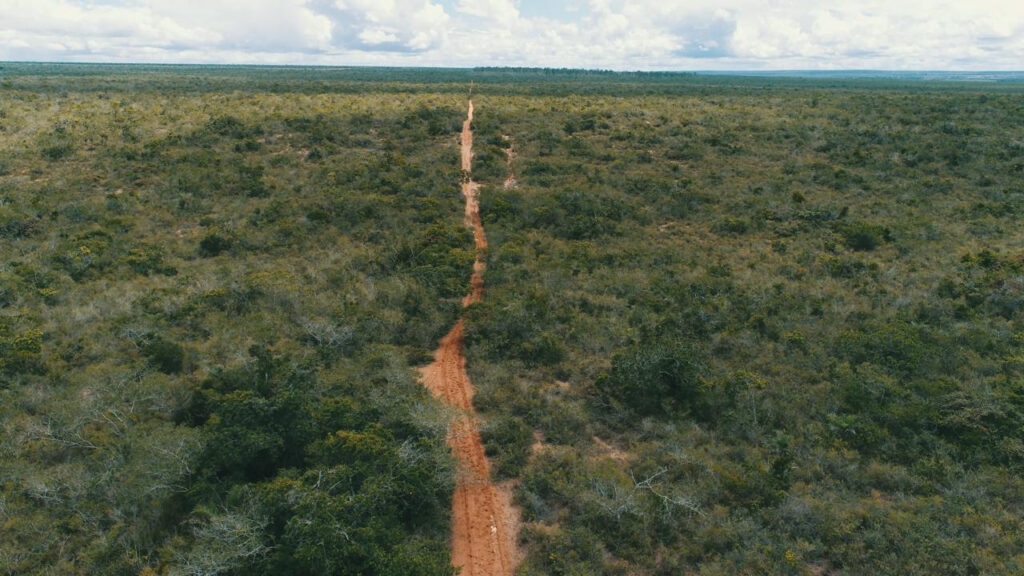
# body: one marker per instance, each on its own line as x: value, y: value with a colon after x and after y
x: 607, y: 34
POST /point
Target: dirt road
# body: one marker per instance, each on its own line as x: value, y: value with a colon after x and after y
x: 484, y: 524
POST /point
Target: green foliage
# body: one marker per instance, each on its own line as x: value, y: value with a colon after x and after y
x: 58, y: 151
x: 167, y: 357
x: 213, y: 244
x: 86, y: 254
x: 732, y: 226
x: 986, y: 283
x: 348, y: 529
x: 507, y: 443
x: 655, y: 377
x: 758, y: 325
x: 572, y: 215
x: 230, y: 127
x: 436, y: 257
x: 363, y: 488
x: 902, y: 348
x: 149, y: 260
x: 862, y: 236
x: 787, y: 335
x: 168, y: 236
x: 20, y: 351
x: 839, y: 267
x: 14, y: 224
x: 517, y: 330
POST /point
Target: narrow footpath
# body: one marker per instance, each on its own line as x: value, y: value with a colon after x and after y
x: 483, y: 520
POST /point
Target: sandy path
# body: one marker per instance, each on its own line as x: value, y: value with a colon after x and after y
x: 510, y: 155
x: 484, y: 524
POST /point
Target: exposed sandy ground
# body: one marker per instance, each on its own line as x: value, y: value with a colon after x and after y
x: 484, y: 523
x: 611, y: 451
x: 510, y: 154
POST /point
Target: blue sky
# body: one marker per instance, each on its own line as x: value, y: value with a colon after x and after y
x: 610, y: 34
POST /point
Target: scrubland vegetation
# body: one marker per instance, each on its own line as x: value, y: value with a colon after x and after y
x: 210, y: 306
x: 731, y: 325
x: 773, y: 333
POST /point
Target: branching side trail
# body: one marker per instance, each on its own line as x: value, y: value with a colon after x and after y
x: 483, y: 520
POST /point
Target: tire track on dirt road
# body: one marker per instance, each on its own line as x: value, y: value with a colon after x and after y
x: 484, y: 523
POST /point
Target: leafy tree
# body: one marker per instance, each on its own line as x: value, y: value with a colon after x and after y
x: 167, y: 357
x: 655, y: 377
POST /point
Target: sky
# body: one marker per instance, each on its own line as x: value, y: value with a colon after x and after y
x: 601, y: 34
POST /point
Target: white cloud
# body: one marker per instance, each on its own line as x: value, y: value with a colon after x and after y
x: 875, y: 34
x: 624, y: 34
x: 499, y: 11
x: 390, y: 25
x: 56, y: 27
x: 260, y: 25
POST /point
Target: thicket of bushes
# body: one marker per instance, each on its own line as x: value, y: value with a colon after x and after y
x: 731, y: 325
x: 788, y: 331
x: 211, y: 309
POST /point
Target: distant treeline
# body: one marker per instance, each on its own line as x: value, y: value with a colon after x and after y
x: 580, y: 72
x: 195, y: 79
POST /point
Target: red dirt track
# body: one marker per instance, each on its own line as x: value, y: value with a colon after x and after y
x: 484, y: 524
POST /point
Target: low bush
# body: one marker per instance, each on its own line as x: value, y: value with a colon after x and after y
x: 864, y: 237
x: 167, y: 357
x: 507, y: 442
x: 655, y: 377
x: 214, y: 244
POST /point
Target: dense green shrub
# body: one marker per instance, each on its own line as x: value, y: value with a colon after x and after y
x: 901, y: 347
x: 363, y: 488
x: 854, y: 368
x: 839, y: 267
x: 59, y: 151
x: 230, y: 127
x: 213, y: 244
x: 436, y: 257
x: 86, y: 254
x: 20, y: 351
x: 655, y: 377
x: 862, y: 236
x: 148, y: 259
x: 14, y: 225
x: 988, y: 283
x: 520, y: 330
x: 167, y: 357
x: 180, y: 227
x: 507, y: 443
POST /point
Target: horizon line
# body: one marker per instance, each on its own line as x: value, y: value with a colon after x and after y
x: 524, y: 68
